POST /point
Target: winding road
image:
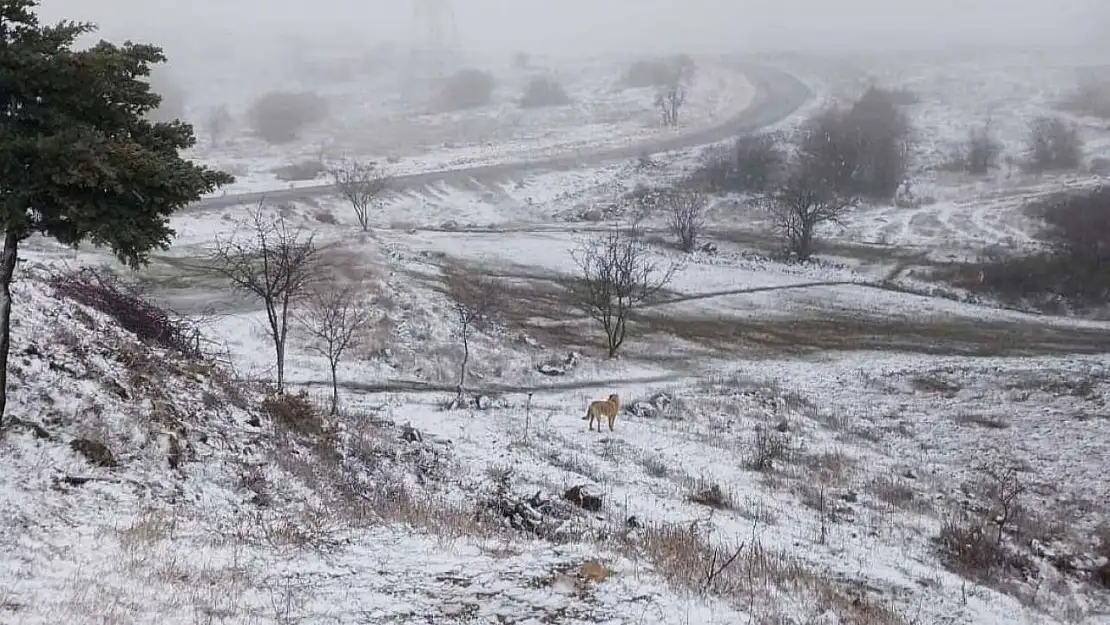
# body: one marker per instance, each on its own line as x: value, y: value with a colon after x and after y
x: 777, y: 96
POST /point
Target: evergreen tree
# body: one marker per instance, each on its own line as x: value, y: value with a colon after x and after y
x: 79, y: 160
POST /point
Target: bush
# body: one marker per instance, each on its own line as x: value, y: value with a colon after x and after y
x: 1091, y: 96
x: 295, y: 414
x: 752, y: 164
x: 658, y: 72
x: 862, y: 151
x: 1054, y: 145
x: 542, y: 91
x: 1071, y: 271
x: 131, y: 311
x: 279, y: 117
x: 468, y: 88
x: 981, y: 152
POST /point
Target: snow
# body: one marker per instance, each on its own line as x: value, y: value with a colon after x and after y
x: 824, y: 536
x: 602, y: 116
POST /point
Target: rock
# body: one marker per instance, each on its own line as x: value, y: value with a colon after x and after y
x: 581, y: 497
x: 411, y: 434
x: 483, y: 402
x: 591, y: 214
x: 710, y: 248
x: 555, y: 366
x: 94, y: 451
x: 632, y: 522
x: 550, y: 369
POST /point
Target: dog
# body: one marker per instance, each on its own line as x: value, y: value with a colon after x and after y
x: 606, y: 408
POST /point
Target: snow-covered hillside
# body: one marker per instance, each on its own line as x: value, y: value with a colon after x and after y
x: 828, y: 443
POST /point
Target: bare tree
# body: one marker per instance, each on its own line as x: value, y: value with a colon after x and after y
x: 217, y: 123
x: 805, y: 201
x: 617, y: 275
x: 334, y: 319
x: 982, y: 151
x: 686, y: 210
x: 361, y: 183
x: 1054, y: 145
x: 670, y: 101
x: 274, y: 263
x: 474, y: 300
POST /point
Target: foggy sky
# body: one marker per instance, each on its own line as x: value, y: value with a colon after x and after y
x: 623, y: 25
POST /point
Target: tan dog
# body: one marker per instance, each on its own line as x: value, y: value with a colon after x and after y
x: 607, y: 408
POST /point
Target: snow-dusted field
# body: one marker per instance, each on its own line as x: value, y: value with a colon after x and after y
x: 369, y: 120
x: 819, y: 422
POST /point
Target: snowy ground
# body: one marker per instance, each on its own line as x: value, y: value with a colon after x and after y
x: 844, y: 425
x: 371, y: 121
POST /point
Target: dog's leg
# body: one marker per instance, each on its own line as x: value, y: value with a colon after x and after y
x: 591, y: 423
x: 611, y: 420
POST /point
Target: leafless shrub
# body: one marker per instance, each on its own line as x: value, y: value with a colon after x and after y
x: 279, y: 117
x: 658, y: 72
x: 768, y: 449
x: 707, y: 492
x: 616, y: 276
x: 862, y: 151
x: 475, y: 299
x: 804, y: 202
x: 300, y: 171
x: 131, y: 311
x: 362, y: 184
x: 686, y: 210
x: 274, y: 263
x: 974, y: 543
x: 670, y: 100
x: 1053, y: 145
x: 752, y: 164
x: 295, y: 414
x: 468, y: 88
x: 218, y: 123
x: 334, y: 318
x: 543, y: 91
x: 978, y: 154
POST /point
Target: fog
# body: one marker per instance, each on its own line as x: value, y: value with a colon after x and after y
x: 552, y: 26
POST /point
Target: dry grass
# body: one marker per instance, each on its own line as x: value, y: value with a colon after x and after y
x: 833, y: 332
x: 707, y: 492
x: 654, y: 465
x: 751, y: 577
x: 832, y: 467
x: 990, y: 422
x: 900, y: 493
x: 769, y: 450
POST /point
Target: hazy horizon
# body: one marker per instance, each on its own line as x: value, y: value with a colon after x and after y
x: 547, y: 26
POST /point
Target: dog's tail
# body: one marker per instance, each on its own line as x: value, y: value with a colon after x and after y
x: 587, y: 417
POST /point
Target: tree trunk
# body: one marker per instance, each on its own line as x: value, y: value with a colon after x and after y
x: 7, y: 270
x: 466, y: 357
x: 283, y: 331
x: 334, y: 388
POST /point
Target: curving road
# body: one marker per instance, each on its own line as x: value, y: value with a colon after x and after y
x: 777, y: 96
